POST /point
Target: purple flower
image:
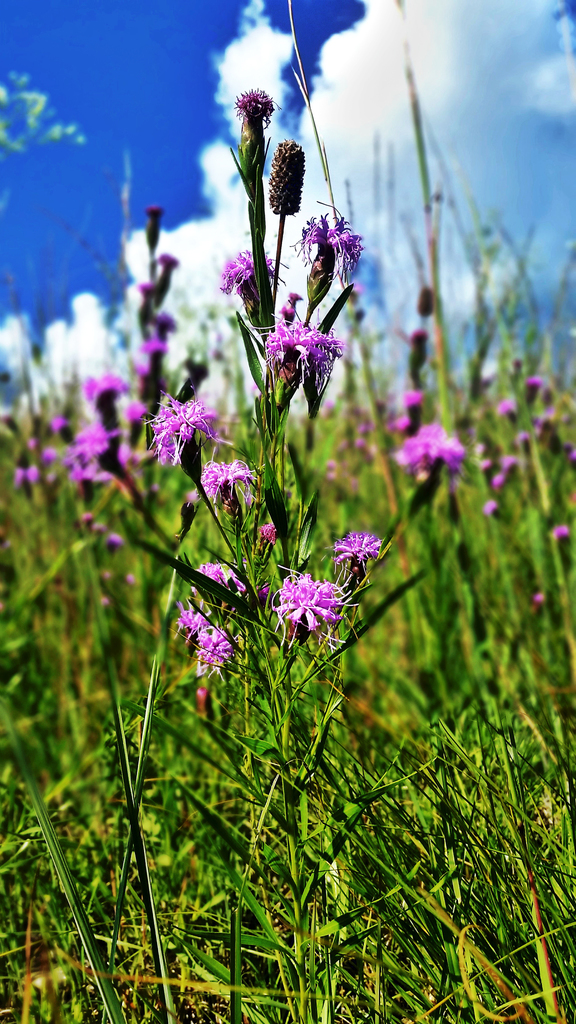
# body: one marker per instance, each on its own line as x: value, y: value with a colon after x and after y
x: 58, y: 423
x: 497, y: 482
x: 220, y: 479
x: 88, y: 444
x: 485, y: 465
x: 561, y: 532
x: 191, y: 622
x: 412, y: 398
x: 523, y: 438
x: 165, y: 325
x: 213, y: 650
x: 238, y: 276
x: 357, y: 548
x: 154, y: 346
x: 221, y: 574
x: 114, y: 541
x: 533, y: 385
x: 267, y: 533
x: 255, y: 107
x: 297, y: 352
x: 507, y: 407
x: 176, y: 424
x: 345, y: 245
x: 538, y: 599
x: 430, y: 446
x: 288, y: 311
x: 490, y: 507
x: 167, y: 262
x: 135, y: 411
x: 130, y: 579
x: 154, y: 211
x: 307, y: 605
x: 146, y: 290
x: 26, y: 475
x: 401, y: 424
x: 109, y: 385
x: 49, y: 455
x: 508, y: 462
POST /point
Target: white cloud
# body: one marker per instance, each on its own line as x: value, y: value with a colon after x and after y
x: 548, y: 87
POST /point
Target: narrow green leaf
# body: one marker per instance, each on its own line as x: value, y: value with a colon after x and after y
x: 236, y: 966
x: 334, y: 312
x: 251, y: 356
x: 307, y: 531
x: 104, y: 985
x: 275, y: 501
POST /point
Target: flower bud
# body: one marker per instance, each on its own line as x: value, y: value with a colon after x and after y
x: 187, y: 514
x: 426, y: 301
x: 153, y: 227
x: 167, y: 264
x: 256, y: 109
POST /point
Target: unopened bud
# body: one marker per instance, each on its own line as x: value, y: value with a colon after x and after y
x: 426, y: 301
x: 153, y: 226
x: 187, y: 514
x: 204, y: 702
x: 168, y: 265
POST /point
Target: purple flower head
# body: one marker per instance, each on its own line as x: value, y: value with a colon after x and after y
x: 267, y: 533
x: 154, y: 346
x: 58, y: 423
x: 357, y: 548
x: 213, y: 650
x: 508, y: 462
x: 485, y: 465
x: 538, y: 599
x: 497, y: 482
x: 401, y: 424
x: 88, y: 445
x: 176, y: 424
x: 222, y: 574
x: 165, y: 325
x: 490, y: 507
x: 304, y: 606
x: 255, y: 107
x: 134, y: 411
x: 238, y: 276
x: 431, y: 445
x: 191, y: 622
x: 154, y: 211
x: 107, y: 386
x: 114, y: 541
x: 523, y: 438
x: 345, y: 245
x: 297, y: 352
x: 146, y: 290
x: 26, y: 475
x: 288, y: 311
x: 167, y: 262
x: 49, y: 455
x: 412, y: 398
x: 533, y: 385
x: 220, y: 480
x: 561, y: 532
x: 32, y: 443
x: 130, y: 579
x: 507, y: 407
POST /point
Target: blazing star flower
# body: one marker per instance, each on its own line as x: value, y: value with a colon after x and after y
x: 267, y: 533
x: 255, y: 107
x: 88, y: 445
x: 561, y: 532
x: 221, y: 574
x: 490, y: 507
x: 508, y: 462
x: 431, y: 445
x: 49, y: 455
x: 176, y: 424
x: 523, y: 438
x: 346, y: 246
x: 401, y: 424
x: 533, y: 385
x: 135, y: 411
x: 412, y: 398
x: 497, y: 482
x: 507, y: 407
x: 297, y: 352
x: 357, y: 548
x: 165, y: 325
x: 220, y: 479
x: 154, y: 346
x: 191, y: 622
x: 58, y: 423
x: 213, y: 650
x: 114, y: 541
x: 538, y: 599
x: 108, y: 386
x: 26, y: 475
x: 238, y: 276
x: 304, y: 606
x: 167, y: 262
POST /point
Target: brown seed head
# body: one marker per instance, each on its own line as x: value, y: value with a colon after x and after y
x: 287, y: 178
x: 426, y: 301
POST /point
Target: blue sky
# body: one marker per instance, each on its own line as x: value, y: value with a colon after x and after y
x: 138, y: 77
x: 495, y: 90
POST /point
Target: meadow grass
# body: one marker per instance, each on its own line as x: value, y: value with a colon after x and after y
x: 372, y: 826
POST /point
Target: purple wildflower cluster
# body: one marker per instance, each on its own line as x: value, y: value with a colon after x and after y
x: 296, y: 352
x: 429, y: 447
x: 305, y: 606
x: 356, y: 548
x: 255, y: 106
x: 176, y: 424
x: 239, y: 277
x: 109, y: 386
x: 212, y: 646
x: 221, y: 480
x: 221, y: 574
x: 346, y: 246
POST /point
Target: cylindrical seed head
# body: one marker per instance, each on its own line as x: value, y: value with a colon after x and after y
x: 287, y: 178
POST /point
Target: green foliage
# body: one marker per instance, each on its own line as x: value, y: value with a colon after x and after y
x: 26, y: 118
